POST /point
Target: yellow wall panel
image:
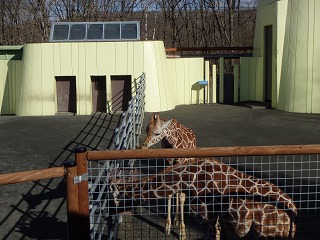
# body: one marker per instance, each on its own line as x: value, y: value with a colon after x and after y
x: 102, y: 58
x: 301, y: 71
x: 82, y: 96
x: 310, y: 58
x: 130, y: 58
x: 138, y: 58
x: 34, y: 87
x: 110, y: 54
x: 56, y: 59
x: 152, y: 97
x: 314, y: 69
x: 48, y: 81
x: 121, y: 58
x: 91, y: 58
x: 33, y: 81
x: 65, y: 59
x: 3, y: 86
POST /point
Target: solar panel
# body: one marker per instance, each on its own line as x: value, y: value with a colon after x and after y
x: 94, y: 31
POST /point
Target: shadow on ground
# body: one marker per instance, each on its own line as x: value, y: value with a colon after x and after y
x: 40, y: 212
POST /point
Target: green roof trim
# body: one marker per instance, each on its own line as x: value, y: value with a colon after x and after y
x: 16, y: 48
x: 11, y: 52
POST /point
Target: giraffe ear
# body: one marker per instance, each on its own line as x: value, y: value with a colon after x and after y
x: 156, y: 117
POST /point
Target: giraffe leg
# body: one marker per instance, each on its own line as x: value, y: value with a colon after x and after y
x: 182, y: 232
x: 168, y: 220
x: 218, y: 228
x: 176, y: 216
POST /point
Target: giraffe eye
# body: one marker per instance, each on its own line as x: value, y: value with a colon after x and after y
x: 156, y: 133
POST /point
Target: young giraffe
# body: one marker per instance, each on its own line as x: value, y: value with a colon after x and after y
x: 268, y: 221
x: 202, y: 178
x: 174, y: 135
x: 240, y: 215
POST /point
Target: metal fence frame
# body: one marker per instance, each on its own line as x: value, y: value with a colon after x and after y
x: 126, y: 137
x: 200, y: 152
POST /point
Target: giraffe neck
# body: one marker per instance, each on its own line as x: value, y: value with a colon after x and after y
x: 179, y: 136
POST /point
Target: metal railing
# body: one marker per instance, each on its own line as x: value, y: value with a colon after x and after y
x: 126, y: 137
x: 293, y: 169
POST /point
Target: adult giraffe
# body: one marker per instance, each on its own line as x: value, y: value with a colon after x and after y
x: 203, y: 178
x: 172, y: 134
x: 242, y: 213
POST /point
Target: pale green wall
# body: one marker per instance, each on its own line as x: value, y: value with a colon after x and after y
x: 250, y: 73
x: 296, y: 56
x: 10, y: 71
x: 300, y: 77
x: 186, y: 72
x: 168, y: 83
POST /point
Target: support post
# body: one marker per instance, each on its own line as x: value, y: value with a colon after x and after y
x: 214, y: 84
x: 236, y: 83
x: 72, y: 201
x: 207, y: 95
x: 221, y: 83
x: 83, y: 194
x: 77, y: 196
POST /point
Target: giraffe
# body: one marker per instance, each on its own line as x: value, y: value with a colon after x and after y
x: 268, y: 220
x: 241, y: 215
x: 175, y: 135
x: 202, y: 178
x: 172, y: 134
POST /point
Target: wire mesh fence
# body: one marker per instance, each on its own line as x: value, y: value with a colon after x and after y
x: 244, y: 196
x: 126, y: 137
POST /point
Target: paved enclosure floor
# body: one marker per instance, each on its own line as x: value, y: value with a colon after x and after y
x: 37, y: 210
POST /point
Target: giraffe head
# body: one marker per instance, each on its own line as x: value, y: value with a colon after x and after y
x: 156, y: 130
x: 119, y: 177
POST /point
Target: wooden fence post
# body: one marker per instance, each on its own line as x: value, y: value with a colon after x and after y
x: 77, y: 196
x: 83, y: 194
x: 72, y: 201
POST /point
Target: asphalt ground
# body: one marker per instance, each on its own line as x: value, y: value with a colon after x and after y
x: 37, y: 210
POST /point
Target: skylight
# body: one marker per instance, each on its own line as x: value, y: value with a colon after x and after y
x: 94, y: 31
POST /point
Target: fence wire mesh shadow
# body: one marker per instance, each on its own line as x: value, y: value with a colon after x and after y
x: 44, y: 203
x: 274, y: 196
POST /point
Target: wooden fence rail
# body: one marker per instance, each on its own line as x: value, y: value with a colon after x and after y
x: 35, y: 175
x: 76, y: 173
x: 204, y: 152
x: 77, y: 191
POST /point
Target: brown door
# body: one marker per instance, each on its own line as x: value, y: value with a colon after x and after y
x: 99, y: 99
x: 66, y: 94
x: 121, y: 92
x: 268, y: 64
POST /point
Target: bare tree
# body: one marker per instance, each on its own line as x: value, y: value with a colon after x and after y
x: 197, y: 23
